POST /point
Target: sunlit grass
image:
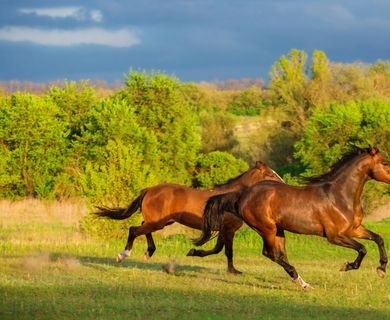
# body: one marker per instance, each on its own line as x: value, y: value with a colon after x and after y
x: 49, y: 270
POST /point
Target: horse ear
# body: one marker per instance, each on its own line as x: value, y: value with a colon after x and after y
x: 260, y: 164
x: 373, y: 150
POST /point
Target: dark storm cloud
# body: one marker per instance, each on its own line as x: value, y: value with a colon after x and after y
x: 194, y: 40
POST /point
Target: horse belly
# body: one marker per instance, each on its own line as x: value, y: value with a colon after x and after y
x: 300, y: 221
x: 188, y: 219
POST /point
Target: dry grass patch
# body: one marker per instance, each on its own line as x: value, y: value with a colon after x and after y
x: 43, y: 211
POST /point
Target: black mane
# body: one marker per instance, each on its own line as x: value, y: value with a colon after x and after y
x: 348, y: 156
x: 229, y: 181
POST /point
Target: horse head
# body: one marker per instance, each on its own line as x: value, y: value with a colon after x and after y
x: 263, y: 172
x: 380, y: 166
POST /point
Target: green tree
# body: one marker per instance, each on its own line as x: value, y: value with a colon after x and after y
x: 248, y: 103
x: 319, y: 87
x: 287, y: 88
x: 74, y: 101
x: 217, y: 167
x: 163, y: 108
x: 217, y: 131
x: 331, y: 129
x: 33, y: 145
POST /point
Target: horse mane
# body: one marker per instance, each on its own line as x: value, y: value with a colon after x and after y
x: 346, y: 157
x: 229, y: 181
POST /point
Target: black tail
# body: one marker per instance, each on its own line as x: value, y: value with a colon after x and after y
x: 121, y: 213
x: 214, y: 212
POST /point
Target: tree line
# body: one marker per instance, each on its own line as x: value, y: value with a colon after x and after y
x: 71, y: 141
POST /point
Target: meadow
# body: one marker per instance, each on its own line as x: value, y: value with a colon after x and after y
x: 50, y: 270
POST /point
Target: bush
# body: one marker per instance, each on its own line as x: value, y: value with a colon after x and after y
x: 330, y: 131
x: 247, y: 103
x: 32, y: 146
x: 217, y: 167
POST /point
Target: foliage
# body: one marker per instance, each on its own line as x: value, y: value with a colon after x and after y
x: 164, y: 110
x: 333, y: 128
x: 288, y: 85
x: 217, y: 167
x: 33, y: 146
x: 70, y: 141
x: 217, y: 131
x: 247, y: 103
x: 330, y: 130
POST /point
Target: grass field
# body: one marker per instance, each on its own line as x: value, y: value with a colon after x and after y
x: 49, y: 270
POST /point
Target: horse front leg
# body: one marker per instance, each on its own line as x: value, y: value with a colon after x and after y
x: 347, y: 242
x: 363, y: 233
x: 151, y: 247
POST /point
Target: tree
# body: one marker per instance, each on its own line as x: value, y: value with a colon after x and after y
x: 287, y: 88
x: 217, y: 167
x: 331, y: 129
x: 33, y: 145
x: 320, y: 85
x: 162, y: 108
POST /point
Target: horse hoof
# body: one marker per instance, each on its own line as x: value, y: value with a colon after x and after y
x: 381, y: 273
x: 302, y: 283
x: 234, y: 271
x: 345, y: 267
x: 146, y: 256
x: 191, y: 253
x: 307, y: 287
x: 118, y: 258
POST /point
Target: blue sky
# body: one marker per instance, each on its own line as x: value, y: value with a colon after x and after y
x: 194, y: 40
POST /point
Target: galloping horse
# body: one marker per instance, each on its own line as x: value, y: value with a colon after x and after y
x: 328, y: 206
x: 165, y: 204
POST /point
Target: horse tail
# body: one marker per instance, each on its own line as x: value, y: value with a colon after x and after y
x: 214, y: 213
x: 121, y: 213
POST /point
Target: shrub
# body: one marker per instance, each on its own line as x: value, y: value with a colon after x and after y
x: 217, y: 167
x: 32, y: 146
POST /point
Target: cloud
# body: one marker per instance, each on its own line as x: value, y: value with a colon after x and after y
x: 60, y: 12
x: 64, y: 38
x: 96, y: 15
x: 78, y: 13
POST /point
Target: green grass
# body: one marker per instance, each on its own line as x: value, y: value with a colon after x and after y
x: 51, y: 271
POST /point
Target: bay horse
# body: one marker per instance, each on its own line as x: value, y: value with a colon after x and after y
x: 329, y: 205
x: 166, y: 203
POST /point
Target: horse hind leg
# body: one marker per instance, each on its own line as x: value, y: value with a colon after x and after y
x: 275, y: 250
x: 203, y: 253
x: 229, y: 253
x: 129, y: 245
x: 134, y: 232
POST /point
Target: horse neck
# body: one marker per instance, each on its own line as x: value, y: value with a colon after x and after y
x: 351, y: 180
x: 231, y: 187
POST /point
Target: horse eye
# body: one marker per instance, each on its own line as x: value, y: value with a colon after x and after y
x: 386, y: 163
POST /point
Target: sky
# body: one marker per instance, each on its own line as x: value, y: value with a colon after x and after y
x: 193, y: 40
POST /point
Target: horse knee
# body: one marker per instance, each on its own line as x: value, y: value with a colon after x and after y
x: 269, y: 254
x: 379, y: 240
x: 362, y: 250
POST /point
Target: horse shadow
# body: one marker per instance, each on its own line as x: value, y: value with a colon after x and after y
x: 100, y: 263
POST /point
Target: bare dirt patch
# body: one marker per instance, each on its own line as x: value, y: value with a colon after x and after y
x: 36, y: 262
